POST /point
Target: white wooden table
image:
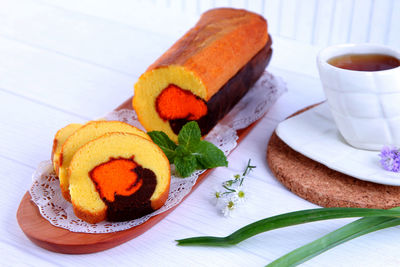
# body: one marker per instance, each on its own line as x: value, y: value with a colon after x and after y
x: 72, y: 61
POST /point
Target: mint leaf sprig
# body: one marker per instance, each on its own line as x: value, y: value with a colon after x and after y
x: 191, y: 153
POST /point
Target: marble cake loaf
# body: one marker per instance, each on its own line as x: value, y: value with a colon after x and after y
x: 110, y: 170
x: 205, y: 73
x: 118, y: 177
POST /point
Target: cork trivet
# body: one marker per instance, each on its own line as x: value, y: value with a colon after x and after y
x: 323, y: 186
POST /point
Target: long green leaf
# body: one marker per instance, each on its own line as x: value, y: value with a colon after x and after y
x: 284, y: 220
x: 350, y: 231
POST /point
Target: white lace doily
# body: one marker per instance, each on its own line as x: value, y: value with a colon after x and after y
x: 46, y: 193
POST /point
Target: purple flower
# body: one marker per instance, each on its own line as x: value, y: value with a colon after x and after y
x: 390, y: 159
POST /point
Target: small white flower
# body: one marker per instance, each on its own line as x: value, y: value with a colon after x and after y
x: 240, y: 194
x: 237, y: 177
x: 232, y: 193
x: 216, y: 197
x: 229, y: 207
x: 228, y: 183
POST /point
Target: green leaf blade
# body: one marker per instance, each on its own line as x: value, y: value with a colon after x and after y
x: 167, y: 145
x: 209, y: 156
x: 350, y: 231
x: 287, y: 219
x: 189, y: 136
x: 185, y: 165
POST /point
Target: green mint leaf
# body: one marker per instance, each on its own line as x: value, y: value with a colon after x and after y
x: 189, y: 136
x: 209, y: 156
x: 182, y: 152
x: 185, y: 165
x: 166, y: 144
x: 192, y: 153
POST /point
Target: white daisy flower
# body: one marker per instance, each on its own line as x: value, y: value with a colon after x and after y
x: 229, y: 207
x: 237, y: 177
x: 216, y: 197
x: 240, y: 194
x: 228, y: 183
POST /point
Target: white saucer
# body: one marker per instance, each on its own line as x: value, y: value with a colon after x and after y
x: 313, y: 133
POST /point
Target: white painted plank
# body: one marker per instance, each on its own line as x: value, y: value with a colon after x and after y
x: 294, y: 56
x: 287, y: 20
x: 20, y: 254
x: 222, y: 3
x: 393, y: 35
x: 380, y: 21
x: 91, y: 39
x: 256, y: 151
x: 361, y: 21
x: 342, y: 22
x: 145, y: 15
x: 375, y: 249
x: 259, y: 205
x: 204, y: 5
x: 16, y: 179
x: 28, y: 128
x: 272, y: 9
x: 59, y: 81
x: 323, y: 22
x: 159, y: 3
x: 304, y: 20
x: 303, y: 91
x: 190, y: 7
x: 238, y: 4
x: 347, y: 18
x: 264, y: 201
x: 162, y: 239
x: 268, y: 200
x: 256, y: 6
x: 178, y: 5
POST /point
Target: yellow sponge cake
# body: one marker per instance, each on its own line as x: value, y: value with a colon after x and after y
x: 118, y: 177
x: 205, y: 73
x: 83, y: 135
x: 59, y: 140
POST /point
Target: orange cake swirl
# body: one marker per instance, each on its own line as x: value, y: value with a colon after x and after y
x: 118, y: 177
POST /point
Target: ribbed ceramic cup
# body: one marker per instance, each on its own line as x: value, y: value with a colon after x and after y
x: 365, y: 104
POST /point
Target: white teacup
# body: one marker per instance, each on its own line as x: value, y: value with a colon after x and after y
x: 365, y: 104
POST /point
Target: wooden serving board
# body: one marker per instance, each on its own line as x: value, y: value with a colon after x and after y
x: 44, y: 234
x: 325, y: 187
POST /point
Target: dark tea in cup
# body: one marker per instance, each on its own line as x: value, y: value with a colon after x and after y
x: 365, y: 62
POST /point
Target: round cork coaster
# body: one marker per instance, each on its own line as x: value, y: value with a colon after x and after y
x: 323, y: 186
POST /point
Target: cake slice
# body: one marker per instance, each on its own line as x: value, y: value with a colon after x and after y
x: 80, y: 137
x: 118, y: 177
x: 59, y: 140
x: 205, y: 73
